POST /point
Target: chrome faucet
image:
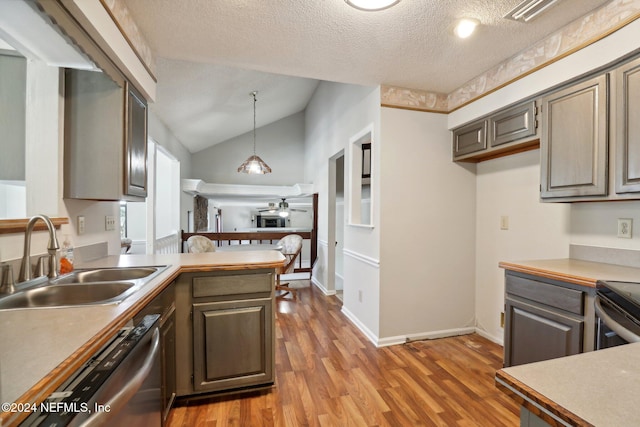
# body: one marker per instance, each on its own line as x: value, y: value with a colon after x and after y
x: 52, y: 249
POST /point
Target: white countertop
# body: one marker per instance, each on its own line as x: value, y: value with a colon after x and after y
x: 600, y: 387
x: 38, y: 344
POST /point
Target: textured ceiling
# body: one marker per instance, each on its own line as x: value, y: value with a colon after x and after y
x: 205, y: 49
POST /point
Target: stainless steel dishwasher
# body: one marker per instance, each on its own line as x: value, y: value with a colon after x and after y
x: 119, y: 385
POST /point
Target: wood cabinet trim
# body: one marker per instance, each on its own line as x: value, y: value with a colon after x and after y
x: 11, y: 226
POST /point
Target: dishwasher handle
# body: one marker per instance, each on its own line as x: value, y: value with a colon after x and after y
x: 122, y: 397
x: 622, y: 332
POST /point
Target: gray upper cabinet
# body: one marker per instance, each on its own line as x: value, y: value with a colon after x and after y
x: 574, y: 140
x: 470, y: 138
x: 135, y: 179
x: 515, y: 123
x: 504, y: 132
x: 105, y: 138
x: 628, y: 128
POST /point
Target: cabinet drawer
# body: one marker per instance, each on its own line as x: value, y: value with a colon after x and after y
x: 570, y: 300
x: 212, y: 286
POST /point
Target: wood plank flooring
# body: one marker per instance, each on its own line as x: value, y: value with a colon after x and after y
x: 329, y: 374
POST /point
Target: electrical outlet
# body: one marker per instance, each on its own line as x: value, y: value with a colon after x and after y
x: 109, y: 223
x: 624, y: 227
x: 504, y: 222
x: 502, y: 319
x: 81, y: 225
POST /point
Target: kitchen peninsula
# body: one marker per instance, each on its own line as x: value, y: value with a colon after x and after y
x: 589, y: 388
x: 41, y: 347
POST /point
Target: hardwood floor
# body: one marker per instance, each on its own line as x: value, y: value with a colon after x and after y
x: 329, y: 374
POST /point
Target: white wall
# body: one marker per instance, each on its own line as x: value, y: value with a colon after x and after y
x: 508, y: 186
x: 428, y: 207
x: 334, y: 115
x: 596, y: 224
x: 279, y: 144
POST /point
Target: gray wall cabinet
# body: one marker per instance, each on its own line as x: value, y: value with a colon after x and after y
x: 225, y: 331
x: 574, y: 143
x: 507, y: 131
x: 513, y: 124
x: 627, y: 137
x: 545, y: 319
x: 105, y: 138
x: 470, y: 138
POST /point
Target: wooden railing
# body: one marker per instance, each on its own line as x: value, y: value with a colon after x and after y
x: 271, y: 237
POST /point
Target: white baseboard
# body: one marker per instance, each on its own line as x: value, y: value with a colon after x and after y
x: 440, y: 334
x: 322, y: 288
x: 358, y: 324
x: 294, y: 276
x: 403, y: 339
x: 484, y: 334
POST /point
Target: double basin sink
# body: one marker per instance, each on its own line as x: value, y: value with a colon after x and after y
x: 82, y: 287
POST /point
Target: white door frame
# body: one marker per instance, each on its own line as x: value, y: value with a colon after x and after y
x: 332, y: 223
x: 152, y: 159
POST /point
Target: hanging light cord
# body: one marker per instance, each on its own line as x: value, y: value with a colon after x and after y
x: 254, y: 93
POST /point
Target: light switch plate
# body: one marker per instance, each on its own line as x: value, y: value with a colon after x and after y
x: 81, y: 225
x: 109, y: 223
x: 504, y: 222
x: 624, y: 227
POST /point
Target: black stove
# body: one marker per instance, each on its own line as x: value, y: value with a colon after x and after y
x: 617, y: 306
x: 624, y: 295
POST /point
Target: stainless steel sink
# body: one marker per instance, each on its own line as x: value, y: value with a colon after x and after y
x: 106, y: 275
x: 81, y: 287
x: 68, y: 295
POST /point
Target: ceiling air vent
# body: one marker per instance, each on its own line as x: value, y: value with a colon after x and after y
x: 529, y: 9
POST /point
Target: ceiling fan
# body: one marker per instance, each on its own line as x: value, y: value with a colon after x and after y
x: 282, y: 208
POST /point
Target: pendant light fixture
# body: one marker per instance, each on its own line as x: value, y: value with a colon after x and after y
x: 372, y: 5
x: 254, y: 164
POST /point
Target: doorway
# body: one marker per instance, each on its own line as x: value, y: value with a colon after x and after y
x: 154, y: 225
x: 336, y: 221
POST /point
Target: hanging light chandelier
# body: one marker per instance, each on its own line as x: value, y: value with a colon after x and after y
x: 254, y: 164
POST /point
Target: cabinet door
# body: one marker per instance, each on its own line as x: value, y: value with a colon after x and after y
x: 628, y: 128
x: 233, y: 344
x: 534, y: 333
x: 516, y: 123
x: 574, y: 140
x: 135, y: 178
x: 470, y: 138
x: 94, y: 136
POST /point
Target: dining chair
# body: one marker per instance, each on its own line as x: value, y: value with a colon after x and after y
x: 291, y: 246
x: 200, y: 244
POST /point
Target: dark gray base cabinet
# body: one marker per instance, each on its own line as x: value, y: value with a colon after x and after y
x: 536, y: 333
x: 225, y: 331
x: 229, y: 342
x: 545, y: 319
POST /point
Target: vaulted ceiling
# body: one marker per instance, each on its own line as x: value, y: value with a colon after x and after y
x: 212, y: 54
